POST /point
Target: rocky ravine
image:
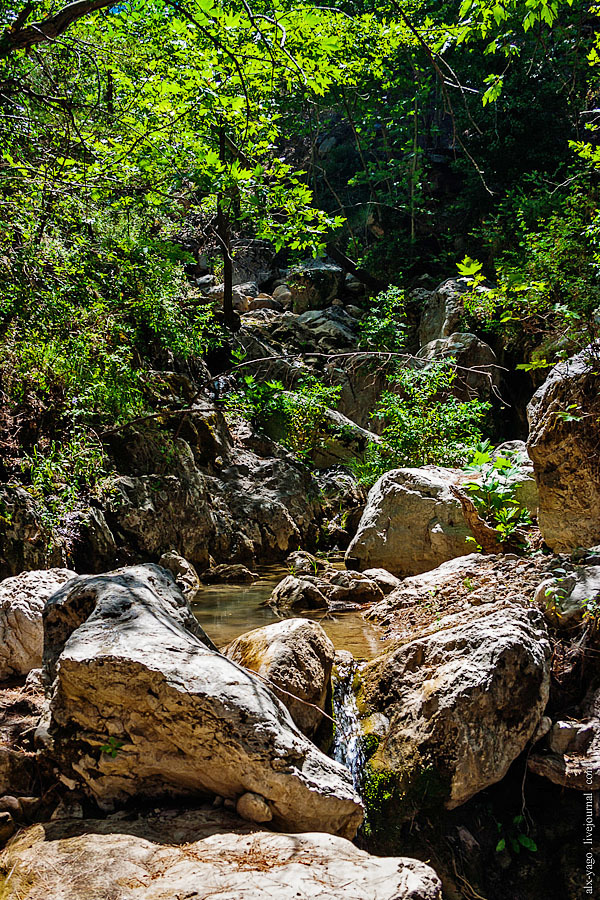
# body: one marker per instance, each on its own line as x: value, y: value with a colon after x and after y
x: 494, y: 668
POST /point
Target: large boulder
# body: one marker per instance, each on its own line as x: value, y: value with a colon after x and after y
x: 22, y: 600
x: 314, y: 284
x: 458, y: 584
x: 200, y: 854
x: 462, y: 700
x: 563, y: 444
x: 411, y: 523
x: 476, y: 366
x: 296, y: 656
x: 141, y: 706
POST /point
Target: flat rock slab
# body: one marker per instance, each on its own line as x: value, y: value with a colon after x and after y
x: 200, y: 855
x: 142, y: 708
x: 457, y: 585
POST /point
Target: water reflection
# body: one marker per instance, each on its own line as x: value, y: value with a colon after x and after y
x: 227, y: 610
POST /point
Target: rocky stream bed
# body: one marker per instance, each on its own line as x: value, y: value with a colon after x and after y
x: 198, y: 705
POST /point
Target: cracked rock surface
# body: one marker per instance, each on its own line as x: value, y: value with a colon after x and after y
x: 198, y: 855
x: 142, y: 707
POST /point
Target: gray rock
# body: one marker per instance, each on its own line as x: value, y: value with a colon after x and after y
x: 224, y: 574
x: 25, y: 542
x: 297, y: 656
x: 332, y: 327
x: 383, y: 579
x: 476, y: 368
x: 205, y: 282
x: 256, y: 508
x: 183, y: 571
x: 355, y: 311
x: 459, y: 583
x: 565, y: 599
x: 283, y: 295
x: 300, y: 562
x: 463, y: 701
x: 314, y: 284
x: 331, y: 588
x: 572, y: 757
x: 201, y: 854
x: 443, y: 310
x: 253, y: 260
x: 411, y: 523
x: 563, y: 444
x: 343, y: 440
x: 303, y: 592
x: 264, y: 302
x: 142, y: 707
x: 22, y: 600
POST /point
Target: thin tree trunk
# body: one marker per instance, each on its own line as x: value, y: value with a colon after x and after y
x: 224, y: 232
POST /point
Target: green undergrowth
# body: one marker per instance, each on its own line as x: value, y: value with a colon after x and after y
x: 89, y: 316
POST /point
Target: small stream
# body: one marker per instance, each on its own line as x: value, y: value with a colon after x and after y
x: 226, y: 611
x: 347, y: 740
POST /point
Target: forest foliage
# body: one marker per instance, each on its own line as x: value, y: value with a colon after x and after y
x: 414, y: 134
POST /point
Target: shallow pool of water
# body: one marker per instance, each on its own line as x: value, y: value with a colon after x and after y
x: 227, y: 610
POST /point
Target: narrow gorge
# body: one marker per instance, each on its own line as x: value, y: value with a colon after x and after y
x: 299, y: 430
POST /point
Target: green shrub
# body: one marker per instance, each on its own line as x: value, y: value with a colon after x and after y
x: 297, y: 419
x: 424, y: 423
x: 384, y: 326
x: 61, y: 475
x: 494, y: 494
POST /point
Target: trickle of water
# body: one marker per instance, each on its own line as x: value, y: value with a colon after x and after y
x: 348, y: 746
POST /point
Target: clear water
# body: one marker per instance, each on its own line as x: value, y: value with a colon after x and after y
x: 347, y: 741
x: 227, y: 610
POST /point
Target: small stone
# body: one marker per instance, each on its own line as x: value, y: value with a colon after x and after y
x: 7, y: 827
x: 228, y: 803
x: 253, y: 808
x: 354, y: 311
x: 542, y: 729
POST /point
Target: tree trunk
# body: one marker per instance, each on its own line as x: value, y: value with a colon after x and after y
x: 224, y: 233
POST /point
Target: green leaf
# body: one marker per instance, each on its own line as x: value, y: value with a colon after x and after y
x: 469, y: 268
x: 528, y: 843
